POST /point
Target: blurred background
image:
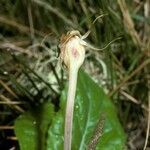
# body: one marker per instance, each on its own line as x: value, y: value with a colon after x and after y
x: 31, y: 73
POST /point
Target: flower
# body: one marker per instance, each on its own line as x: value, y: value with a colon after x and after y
x: 72, y: 51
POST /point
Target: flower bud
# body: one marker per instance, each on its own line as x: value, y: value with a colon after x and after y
x: 72, y: 51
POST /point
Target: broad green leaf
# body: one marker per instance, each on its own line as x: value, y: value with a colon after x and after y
x: 91, y: 102
x: 31, y: 127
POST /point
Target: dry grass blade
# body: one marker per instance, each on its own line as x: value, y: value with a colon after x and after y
x: 8, y: 89
x: 7, y: 100
x: 11, y: 103
x: 31, y: 22
x: 10, y: 46
x: 132, y: 99
x: 145, y: 63
x: 18, y: 26
x: 129, y: 24
x: 148, y: 124
x: 6, y: 127
x: 13, y: 138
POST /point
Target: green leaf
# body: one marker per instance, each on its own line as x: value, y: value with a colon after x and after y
x: 90, y: 104
x: 31, y: 127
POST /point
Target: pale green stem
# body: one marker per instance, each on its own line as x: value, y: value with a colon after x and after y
x: 73, y: 72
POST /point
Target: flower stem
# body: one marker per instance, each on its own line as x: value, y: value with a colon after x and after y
x: 73, y: 72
